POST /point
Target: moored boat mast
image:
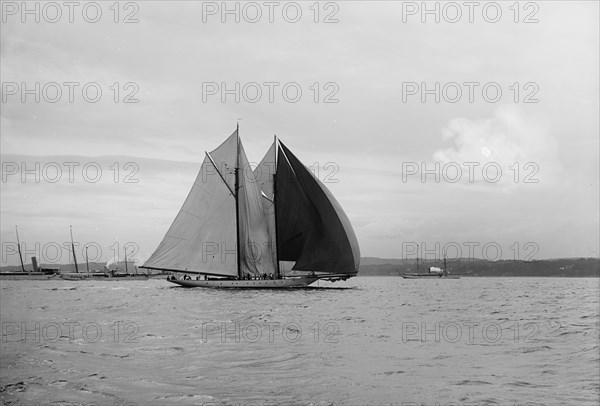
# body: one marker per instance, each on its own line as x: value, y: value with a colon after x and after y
x: 417, y: 257
x: 73, y: 249
x: 87, y: 262
x: 445, y: 271
x: 125, y: 251
x: 19, y: 249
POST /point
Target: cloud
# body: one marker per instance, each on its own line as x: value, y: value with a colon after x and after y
x: 520, y: 145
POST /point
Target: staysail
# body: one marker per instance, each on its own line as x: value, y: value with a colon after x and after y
x: 264, y: 175
x: 256, y: 253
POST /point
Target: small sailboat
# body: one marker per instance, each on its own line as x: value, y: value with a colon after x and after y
x: 276, y: 226
x: 73, y: 276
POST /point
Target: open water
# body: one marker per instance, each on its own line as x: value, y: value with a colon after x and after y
x: 382, y: 341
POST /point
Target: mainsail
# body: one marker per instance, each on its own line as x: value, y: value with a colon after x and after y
x: 204, y: 236
x: 236, y: 221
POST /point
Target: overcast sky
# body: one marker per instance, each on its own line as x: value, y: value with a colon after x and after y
x: 367, y: 119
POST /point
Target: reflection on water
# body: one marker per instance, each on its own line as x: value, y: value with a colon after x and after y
x: 383, y: 341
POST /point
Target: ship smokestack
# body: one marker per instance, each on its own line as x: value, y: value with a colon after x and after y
x: 35, y: 264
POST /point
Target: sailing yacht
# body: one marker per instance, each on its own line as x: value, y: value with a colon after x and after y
x: 239, y: 228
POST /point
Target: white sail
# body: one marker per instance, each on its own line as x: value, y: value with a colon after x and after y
x: 265, y: 170
x: 264, y: 175
x: 257, y: 250
x: 203, y: 234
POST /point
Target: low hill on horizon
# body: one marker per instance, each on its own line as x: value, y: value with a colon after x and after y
x: 373, y: 266
x: 562, y: 267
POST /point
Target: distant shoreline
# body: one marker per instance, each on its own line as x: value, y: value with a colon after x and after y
x: 370, y: 266
x: 564, y: 267
x: 488, y: 276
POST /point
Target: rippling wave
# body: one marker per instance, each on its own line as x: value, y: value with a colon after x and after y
x: 377, y: 341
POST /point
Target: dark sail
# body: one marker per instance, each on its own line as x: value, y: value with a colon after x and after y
x: 295, y: 214
x: 312, y: 228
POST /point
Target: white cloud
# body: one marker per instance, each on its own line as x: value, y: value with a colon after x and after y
x: 521, y: 145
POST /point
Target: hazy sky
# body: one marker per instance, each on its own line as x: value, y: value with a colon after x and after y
x: 399, y: 114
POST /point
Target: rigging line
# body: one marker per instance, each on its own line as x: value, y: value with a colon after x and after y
x: 286, y: 159
x: 209, y: 214
x: 201, y: 187
x: 220, y: 174
x: 19, y: 247
x: 264, y: 196
x: 192, y: 214
x: 175, y: 237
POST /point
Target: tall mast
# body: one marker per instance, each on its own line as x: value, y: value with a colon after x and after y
x: 73, y: 249
x: 87, y: 263
x: 125, y: 250
x: 277, y: 269
x: 445, y: 271
x: 19, y: 248
x: 237, y: 206
x: 417, y: 257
